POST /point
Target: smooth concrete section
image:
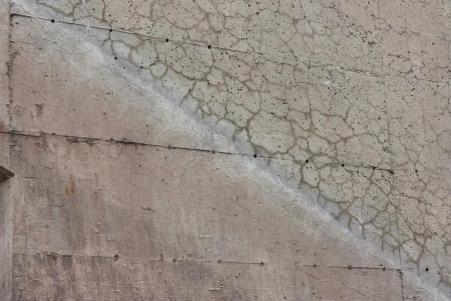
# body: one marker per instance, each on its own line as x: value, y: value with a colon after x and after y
x: 146, y: 222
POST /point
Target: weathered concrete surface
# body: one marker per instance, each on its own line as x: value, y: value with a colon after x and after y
x: 4, y: 67
x: 104, y: 108
x: 159, y: 280
x: 346, y: 103
x: 319, y: 173
x: 6, y: 224
x: 150, y: 222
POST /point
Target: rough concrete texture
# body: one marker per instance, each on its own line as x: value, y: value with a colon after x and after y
x: 225, y: 150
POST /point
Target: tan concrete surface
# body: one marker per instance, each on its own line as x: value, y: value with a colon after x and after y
x: 127, y: 279
x: 105, y: 114
x: 170, y: 216
x: 6, y: 224
x: 330, y: 118
x: 4, y: 60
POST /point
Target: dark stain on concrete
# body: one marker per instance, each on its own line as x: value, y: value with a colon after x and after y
x: 70, y: 187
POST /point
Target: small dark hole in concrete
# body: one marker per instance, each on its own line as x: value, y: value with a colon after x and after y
x: 209, y: 46
x: 349, y: 267
x: 255, y: 155
x: 262, y: 263
x: 174, y: 260
x: 342, y: 165
x: 116, y: 257
x: 53, y: 21
x: 167, y: 40
x: 219, y: 261
x: 426, y: 269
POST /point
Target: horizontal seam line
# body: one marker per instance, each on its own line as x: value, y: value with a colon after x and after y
x: 88, y: 140
x: 13, y: 14
x: 218, y: 261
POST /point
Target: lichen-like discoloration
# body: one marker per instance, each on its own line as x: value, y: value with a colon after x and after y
x: 345, y: 101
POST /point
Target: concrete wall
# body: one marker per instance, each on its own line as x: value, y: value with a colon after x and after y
x: 6, y: 224
x: 225, y: 150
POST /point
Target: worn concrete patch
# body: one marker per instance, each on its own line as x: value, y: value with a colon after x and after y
x: 346, y: 103
x: 67, y: 277
x: 142, y: 204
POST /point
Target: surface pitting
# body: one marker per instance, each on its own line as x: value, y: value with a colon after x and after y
x: 346, y: 101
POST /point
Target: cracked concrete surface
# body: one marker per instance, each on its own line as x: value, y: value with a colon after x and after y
x: 345, y: 102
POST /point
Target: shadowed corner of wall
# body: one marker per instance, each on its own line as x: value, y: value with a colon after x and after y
x: 5, y: 174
